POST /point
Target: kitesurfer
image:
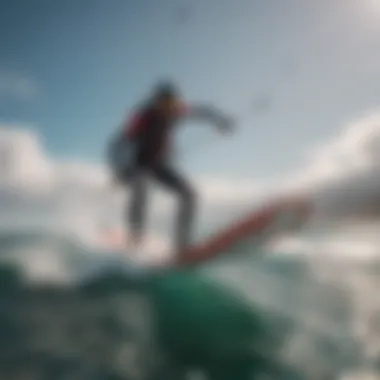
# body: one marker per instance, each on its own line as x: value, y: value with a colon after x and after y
x: 148, y: 133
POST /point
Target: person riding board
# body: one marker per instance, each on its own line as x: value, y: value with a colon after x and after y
x: 148, y: 131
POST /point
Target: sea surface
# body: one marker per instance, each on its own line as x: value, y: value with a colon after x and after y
x: 70, y: 312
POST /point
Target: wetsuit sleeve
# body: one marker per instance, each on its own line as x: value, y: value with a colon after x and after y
x: 206, y: 113
x: 133, y: 126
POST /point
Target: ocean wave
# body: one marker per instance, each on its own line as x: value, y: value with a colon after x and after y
x: 93, y: 315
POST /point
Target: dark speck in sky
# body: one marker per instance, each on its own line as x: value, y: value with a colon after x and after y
x: 183, y: 14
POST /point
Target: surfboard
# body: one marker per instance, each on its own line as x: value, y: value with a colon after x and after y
x: 276, y: 217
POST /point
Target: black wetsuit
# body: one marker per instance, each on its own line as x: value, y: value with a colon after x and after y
x: 150, y: 131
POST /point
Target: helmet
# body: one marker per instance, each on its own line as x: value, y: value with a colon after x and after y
x: 166, y: 89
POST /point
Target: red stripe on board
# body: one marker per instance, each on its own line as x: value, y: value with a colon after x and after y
x: 253, y: 224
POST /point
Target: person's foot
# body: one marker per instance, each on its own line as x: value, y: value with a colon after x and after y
x: 134, y: 240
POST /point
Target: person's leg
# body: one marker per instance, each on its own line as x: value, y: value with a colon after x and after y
x: 175, y: 182
x: 136, y: 213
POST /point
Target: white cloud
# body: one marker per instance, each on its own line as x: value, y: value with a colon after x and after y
x: 18, y: 85
x: 22, y: 161
x: 343, y: 176
x: 36, y: 190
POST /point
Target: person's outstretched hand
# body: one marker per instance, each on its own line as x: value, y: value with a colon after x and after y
x: 227, y: 124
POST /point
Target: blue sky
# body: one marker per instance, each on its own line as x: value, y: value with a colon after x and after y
x: 315, y: 63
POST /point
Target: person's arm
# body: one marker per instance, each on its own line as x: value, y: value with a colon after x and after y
x: 209, y: 114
